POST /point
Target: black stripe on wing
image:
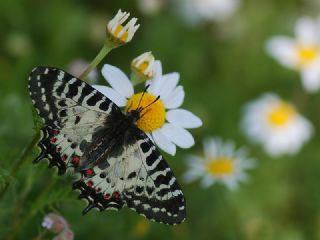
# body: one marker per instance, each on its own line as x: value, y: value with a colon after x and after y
x: 52, y: 90
x: 163, y: 202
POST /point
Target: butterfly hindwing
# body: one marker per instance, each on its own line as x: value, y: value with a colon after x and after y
x: 71, y: 111
x: 141, y: 179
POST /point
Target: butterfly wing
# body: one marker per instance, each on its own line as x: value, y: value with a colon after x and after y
x: 139, y: 178
x: 71, y: 110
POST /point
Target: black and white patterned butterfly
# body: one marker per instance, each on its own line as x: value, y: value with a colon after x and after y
x: 87, y: 133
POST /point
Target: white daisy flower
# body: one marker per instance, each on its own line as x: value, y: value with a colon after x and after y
x: 301, y: 53
x: 164, y: 122
x: 221, y: 163
x: 276, y: 125
x: 118, y: 33
x: 208, y: 10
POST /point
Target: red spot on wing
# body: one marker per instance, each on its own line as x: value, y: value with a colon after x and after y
x: 64, y: 157
x: 115, y: 194
x: 56, y: 132
x: 106, y: 196
x: 75, y: 159
x: 89, y: 172
x: 53, y: 140
x: 89, y: 183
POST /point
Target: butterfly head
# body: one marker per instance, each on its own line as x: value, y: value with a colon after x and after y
x: 141, y: 109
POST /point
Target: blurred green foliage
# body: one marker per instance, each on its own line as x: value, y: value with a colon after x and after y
x: 222, y: 66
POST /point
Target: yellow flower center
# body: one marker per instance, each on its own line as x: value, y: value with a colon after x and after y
x: 151, y: 118
x: 142, y: 67
x: 307, y: 54
x: 281, y: 114
x: 222, y: 166
x: 124, y: 36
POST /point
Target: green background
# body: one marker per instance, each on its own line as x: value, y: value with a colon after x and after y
x: 222, y: 67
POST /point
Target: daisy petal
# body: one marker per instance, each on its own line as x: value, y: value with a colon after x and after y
x: 163, y: 142
x: 183, y: 118
x: 155, y: 83
x: 169, y: 82
x: 311, y: 77
x: 306, y: 31
x: 207, y: 181
x: 177, y: 135
x: 117, y: 80
x: 158, y: 69
x: 113, y: 95
x: 175, y: 99
x: 284, y: 50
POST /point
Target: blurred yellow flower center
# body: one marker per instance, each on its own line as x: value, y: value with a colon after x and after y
x: 151, y: 118
x: 124, y: 36
x: 281, y: 114
x: 222, y: 166
x: 142, y: 67
x: 307, y: 54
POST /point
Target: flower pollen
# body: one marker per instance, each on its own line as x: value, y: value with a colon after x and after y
x: 281, y: 114
x: 222, y: 166
x: 151, y: 118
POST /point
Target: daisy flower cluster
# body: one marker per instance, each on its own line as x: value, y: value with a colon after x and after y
x: 275, y: 123
x: 270, y: 121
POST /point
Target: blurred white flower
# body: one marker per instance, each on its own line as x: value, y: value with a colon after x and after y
x: 57, y: 224
x: 163, y: 121
x: 221, y: 163
x: 119, y: 33
x: 150, y: 7
x: 276, y: 125
x: 78, y: 66
x: 301, y: 53
x: 196, y: 11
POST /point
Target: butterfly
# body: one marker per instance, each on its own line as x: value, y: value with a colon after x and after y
x: 117, y: 164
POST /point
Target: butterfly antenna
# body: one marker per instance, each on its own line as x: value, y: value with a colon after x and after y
x: 144, y: 91
x: 151, y: 103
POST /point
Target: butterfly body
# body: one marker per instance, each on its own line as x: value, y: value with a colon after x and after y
x: 109, y: 141
x: 117, y: 164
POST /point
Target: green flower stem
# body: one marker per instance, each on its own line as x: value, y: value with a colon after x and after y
x: 107, y: 47
x: 19, y: 164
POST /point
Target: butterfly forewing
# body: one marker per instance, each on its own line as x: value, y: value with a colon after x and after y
x: 71, y: 111
x: 83, y: 131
